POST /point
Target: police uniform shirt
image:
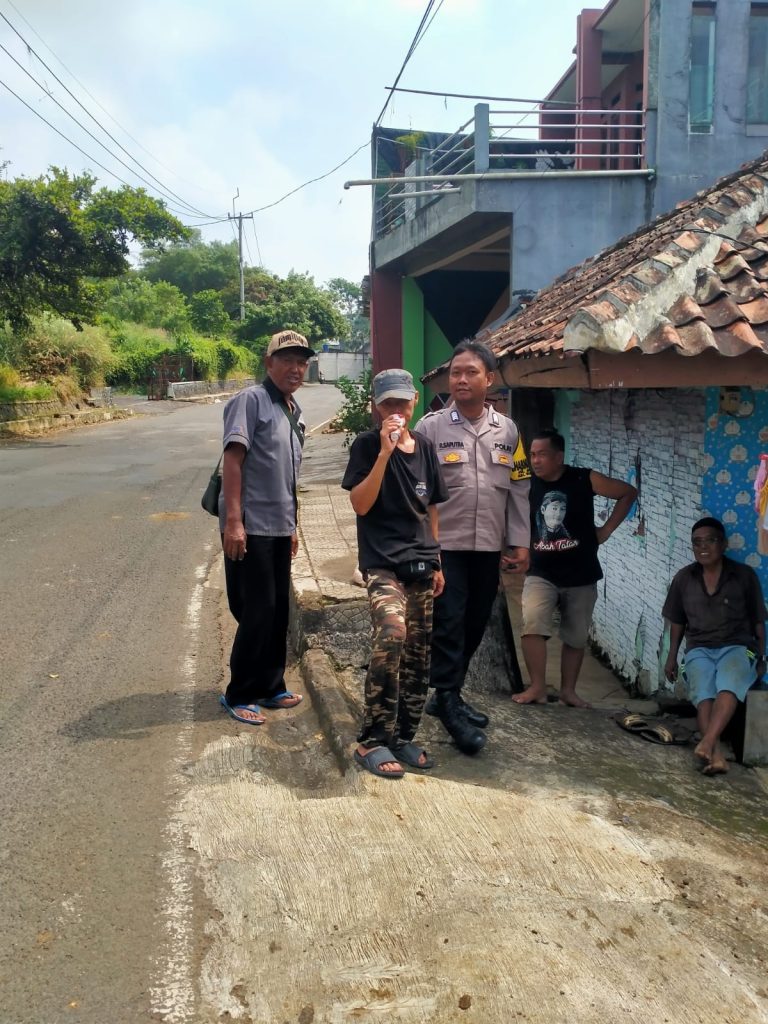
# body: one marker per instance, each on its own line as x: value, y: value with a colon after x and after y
x: 254, y: 418
x: 486, y: 471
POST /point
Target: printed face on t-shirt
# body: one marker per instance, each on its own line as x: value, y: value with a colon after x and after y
x: 554, y: 513
x: 550, y: 520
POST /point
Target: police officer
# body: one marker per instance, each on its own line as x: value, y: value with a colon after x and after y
x: 484, y: 526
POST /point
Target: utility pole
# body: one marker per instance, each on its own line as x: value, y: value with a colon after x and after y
x: 240, y: 217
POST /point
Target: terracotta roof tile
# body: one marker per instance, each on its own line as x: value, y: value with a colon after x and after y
x: 692, y: 280
x: 684, y: 311
x: 756, y: 311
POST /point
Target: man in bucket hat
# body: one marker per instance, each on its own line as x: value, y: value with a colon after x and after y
x: 263, y: 440
x: 395, y: 485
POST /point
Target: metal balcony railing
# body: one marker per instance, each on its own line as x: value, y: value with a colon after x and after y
x: 547, y: 138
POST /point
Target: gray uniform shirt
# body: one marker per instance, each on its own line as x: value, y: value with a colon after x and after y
x: 486, y: 472
x: 254, y: 418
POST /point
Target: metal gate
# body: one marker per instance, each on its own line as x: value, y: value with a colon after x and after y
x: 171, y: 369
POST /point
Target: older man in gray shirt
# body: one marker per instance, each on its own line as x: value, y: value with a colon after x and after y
x: 263, y: 439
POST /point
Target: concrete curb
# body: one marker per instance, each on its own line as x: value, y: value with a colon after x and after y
x: 332, y: 709
x: 36, y: 425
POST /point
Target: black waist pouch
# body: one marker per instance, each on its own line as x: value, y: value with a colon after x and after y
x: 411, y: 572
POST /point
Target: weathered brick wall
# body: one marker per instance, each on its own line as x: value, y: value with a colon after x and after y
x: 22, y: 410
x: 655, y: 440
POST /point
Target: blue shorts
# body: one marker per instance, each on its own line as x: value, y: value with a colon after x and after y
x: 710, y: 670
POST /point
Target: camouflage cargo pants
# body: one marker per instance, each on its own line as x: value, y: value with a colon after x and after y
x: 398, y: 673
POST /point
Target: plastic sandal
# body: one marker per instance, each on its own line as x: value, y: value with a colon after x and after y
x: 376, y: 757
x: 242, y: 707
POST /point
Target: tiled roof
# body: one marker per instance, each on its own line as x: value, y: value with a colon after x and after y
x: 675, y: 283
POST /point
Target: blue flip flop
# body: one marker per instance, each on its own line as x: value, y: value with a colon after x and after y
x: 241, y: 707
x: 274, y: 702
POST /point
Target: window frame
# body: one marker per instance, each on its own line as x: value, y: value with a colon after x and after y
x: 703, y: 9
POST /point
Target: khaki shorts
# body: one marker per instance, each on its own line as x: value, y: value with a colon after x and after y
x: 540, y: 601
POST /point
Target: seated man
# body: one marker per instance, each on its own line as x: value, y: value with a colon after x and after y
x: 717, y: 604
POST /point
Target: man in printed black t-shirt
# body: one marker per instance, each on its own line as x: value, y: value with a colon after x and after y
x: 564, y: 567
x: 394, y: 482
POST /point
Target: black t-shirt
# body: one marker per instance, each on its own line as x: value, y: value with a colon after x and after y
x: 563, y: 536
x: 396, y: 529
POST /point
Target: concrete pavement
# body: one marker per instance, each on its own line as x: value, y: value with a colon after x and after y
x: 570, y: 874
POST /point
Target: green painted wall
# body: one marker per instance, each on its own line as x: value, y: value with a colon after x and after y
x: 563, y: 402
x: 424, y: 344
x: 413, y: 335
x: 437, y: 348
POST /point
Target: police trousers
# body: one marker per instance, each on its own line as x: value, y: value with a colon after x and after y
x: 398, y: 674
x: 461, y: 613
x: 258, y: 593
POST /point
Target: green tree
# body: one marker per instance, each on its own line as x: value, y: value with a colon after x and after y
x: 141, y: 302
x: 193, y: 266
x: 57, y: 234
x: 347, y: 297
x: 296, y: 303
x: 208, y: 314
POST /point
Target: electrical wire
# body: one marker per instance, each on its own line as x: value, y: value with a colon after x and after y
x: 90, y: 95
x: 194, y: 211
x: 63, y: 136
x: 311, y: 181
x: 178, y: 213
x: 258, y: 248
x: 420, y: 33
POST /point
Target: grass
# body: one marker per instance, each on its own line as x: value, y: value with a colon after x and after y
x: 35, y: 393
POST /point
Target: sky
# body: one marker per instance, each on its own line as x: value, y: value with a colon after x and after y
x: 259, y: 97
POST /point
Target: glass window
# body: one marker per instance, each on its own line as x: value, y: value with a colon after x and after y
x: 702, y: 80
x: 757, y: 68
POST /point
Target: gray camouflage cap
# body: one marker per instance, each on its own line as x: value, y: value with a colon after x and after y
x: 392, y: 384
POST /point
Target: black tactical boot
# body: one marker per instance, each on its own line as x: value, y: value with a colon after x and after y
x: 472, y: 715
x: 468, y: 738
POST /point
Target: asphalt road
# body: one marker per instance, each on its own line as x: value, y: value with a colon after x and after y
x: 106, y: 629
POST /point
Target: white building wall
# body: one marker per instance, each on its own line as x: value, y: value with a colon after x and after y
x: 655, y: 440
x: 342, y: 364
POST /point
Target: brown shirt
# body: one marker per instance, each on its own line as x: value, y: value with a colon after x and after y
x: 721, y: 619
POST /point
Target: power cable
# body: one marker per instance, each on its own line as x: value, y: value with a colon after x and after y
x: 414, y: 43
x: 258, y: 248
x: 90, y: 95
x: 63, y: 136
x: 90, y: 133
x: 311, y: 181
x: 163, y: 188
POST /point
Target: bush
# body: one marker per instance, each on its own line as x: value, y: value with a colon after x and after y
x: 52, y: 348
x: 9, y: 377
x: 137, y: 349
x: 33, y: 393
x: 355, y: 415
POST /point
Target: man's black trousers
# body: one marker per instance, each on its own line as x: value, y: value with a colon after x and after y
x: 257, y: 591
x: 461, y: 613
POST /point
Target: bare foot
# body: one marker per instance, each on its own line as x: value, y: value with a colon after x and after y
x: 530, y: 696
x: 703, y: 753
x: 289, y: 701
x: 717, y: 766
x: 571, y: 700
x: 385, y: 766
